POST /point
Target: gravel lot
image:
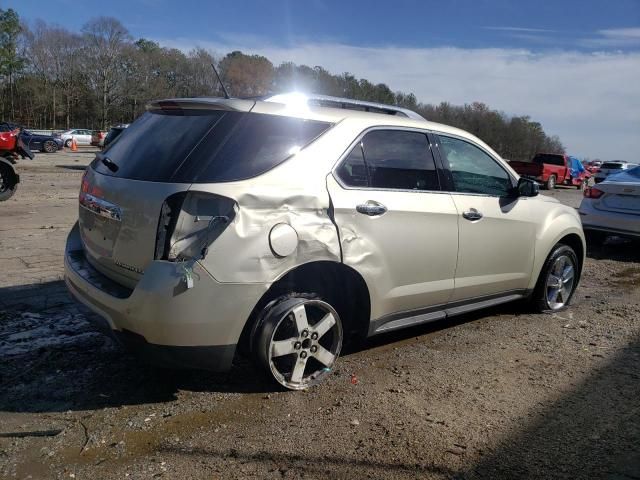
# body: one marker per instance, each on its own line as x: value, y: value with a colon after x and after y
x: 497, y: 394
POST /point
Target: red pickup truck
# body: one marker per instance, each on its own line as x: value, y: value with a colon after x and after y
x: 551, y: 169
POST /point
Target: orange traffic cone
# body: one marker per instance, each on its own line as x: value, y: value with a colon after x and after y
x: 74, y: 145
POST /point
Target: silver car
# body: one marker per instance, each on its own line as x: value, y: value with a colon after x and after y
x: 285, y: 227
x: 613, y: 207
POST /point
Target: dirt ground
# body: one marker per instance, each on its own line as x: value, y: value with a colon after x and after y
x: 500, y: 393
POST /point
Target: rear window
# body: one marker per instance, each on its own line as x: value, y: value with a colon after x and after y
x: 549, y: 159
x: 205, y: 146
x: 611, y: 165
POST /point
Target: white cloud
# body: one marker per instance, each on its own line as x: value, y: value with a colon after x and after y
x: 590, y: 100
x: 612, y: 38
x: 520, y: 29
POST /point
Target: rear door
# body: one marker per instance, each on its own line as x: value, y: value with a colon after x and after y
x: 397, y: 228
x: 496, y: 231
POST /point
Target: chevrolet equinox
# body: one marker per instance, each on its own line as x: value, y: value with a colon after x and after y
x: 289, y: 225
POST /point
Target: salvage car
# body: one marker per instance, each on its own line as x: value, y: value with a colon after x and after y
x: 611, y: 167
x: 113, y: 133
x: 81, y: 136
x: 551, y: 169
x: 97, y: 138
x: 34, y: 141
x: 284, y: 227
x: 612, y: 207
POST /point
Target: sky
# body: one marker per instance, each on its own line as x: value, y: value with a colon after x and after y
x: 572, y: 65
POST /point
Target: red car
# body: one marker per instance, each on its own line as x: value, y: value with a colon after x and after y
x: 551, y: 169
x: 97, y: 138
x: 593, y: 166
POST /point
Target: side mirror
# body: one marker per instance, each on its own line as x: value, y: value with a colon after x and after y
x: 527, y: 188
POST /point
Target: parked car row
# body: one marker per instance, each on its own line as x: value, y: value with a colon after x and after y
x: 551, y: 169
x: 42, y: 143
x: 54, y: 142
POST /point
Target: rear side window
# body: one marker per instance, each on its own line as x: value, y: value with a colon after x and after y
x: 256, y: 144
x: 205, y: 146
x: 391, y: 159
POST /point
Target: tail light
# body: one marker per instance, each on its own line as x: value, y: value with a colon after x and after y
x: 190, y: 222
x: 593, y: 192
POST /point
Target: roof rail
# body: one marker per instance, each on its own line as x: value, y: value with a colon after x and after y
x: 346, y: 103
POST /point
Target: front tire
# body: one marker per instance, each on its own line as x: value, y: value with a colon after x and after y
x: 558, y: 280
x: 297, y: 340
x: 8, y: 182
x: 67, y: 143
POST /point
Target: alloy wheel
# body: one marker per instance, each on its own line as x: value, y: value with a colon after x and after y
x: 560, y: 282
x: 50, y: 147
x: 305, y: 344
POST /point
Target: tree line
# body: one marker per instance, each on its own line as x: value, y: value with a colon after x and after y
x: 53, y: 78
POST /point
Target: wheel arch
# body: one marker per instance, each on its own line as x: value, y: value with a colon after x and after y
x: 338, y: 284
x: 559, y: 233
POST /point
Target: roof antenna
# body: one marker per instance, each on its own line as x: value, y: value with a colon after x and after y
x: 226, y: 94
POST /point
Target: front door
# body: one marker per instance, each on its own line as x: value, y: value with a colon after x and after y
x: 497, y: 232
x: 397, y: 228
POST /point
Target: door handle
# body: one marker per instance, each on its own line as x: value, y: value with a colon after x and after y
x: 371, y: 208
x: 472, y: 214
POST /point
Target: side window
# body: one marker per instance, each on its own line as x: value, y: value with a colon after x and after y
x: 473, y: 170
x: 391, y: 159
x: 353, y: 171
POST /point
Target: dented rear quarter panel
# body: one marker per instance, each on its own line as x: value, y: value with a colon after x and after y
x: 294, y: 193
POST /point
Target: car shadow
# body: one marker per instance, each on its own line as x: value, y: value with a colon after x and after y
x: 54, y: 359
x: 615, y: 248
x: 591, y: 431
x: 73, y: 167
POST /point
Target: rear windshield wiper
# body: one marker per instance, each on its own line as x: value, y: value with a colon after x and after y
x: 110, y: 164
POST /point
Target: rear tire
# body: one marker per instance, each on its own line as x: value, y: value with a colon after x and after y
x: 297, y: 340
x: 8, y: 182
x: 551, y: 182
x: 557, y: 281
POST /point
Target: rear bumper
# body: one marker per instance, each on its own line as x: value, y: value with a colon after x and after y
x: 623, y: 224
x: 161, y: 318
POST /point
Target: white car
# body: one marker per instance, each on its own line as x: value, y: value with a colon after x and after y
x: 610, y: 168
x: 612, y: 207
x: 82, y: 136
x: 285, y: 226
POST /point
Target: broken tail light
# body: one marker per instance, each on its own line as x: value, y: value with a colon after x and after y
x: 190, y: 222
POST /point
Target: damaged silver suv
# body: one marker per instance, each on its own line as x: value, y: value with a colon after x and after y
x: 290, y: 225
